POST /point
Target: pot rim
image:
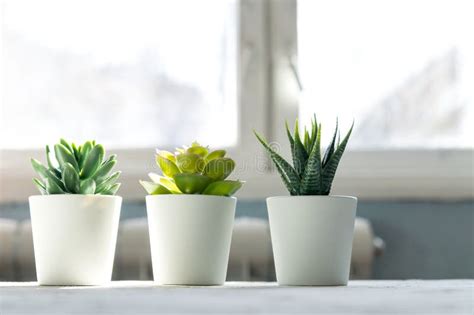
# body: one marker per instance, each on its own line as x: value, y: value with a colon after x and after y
x: 190, y: 196
x: 336, y: 197
x: 72, y: 196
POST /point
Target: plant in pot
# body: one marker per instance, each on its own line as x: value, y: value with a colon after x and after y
x: 190, y: 215
x: 311, y: 230
x: 75, y: 220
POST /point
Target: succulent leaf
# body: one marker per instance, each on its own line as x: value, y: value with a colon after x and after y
x: 165, y: 181
x: 45, y: 173
x: 219, y: 169
x: 93, y: 161
x: 198, y: 149
x: 167, y: 155
x: 190, y: 170
x: 317, y: 174
x: 76, y: 153
x: 290, y: 137
x: 52, y: 188
x: 215, y: 155
x: 67, y: 145
x: 104, y: 169
x: 311, y: 180
x: 300, y: 156
x: 154, y: 188
x: 64, y: 156
x: 41, y: 187
x: 87, y: 186
x: 111, y: 190
x: 80, y: 170
x: 330, y: 150
x: 85, y: 149
x: 330, y: 169
x: 286, y: 171
x: 190, y: 162
x: 71, y: 179
x: 191, y: 183
x: 223, y: 188
x: 107, y: 182
x: 168, y: 167
x: 48, y: 158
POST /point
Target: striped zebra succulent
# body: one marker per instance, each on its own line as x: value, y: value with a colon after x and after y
x: 76, y: 170
x: 311, y: 173
x: 193, y: 170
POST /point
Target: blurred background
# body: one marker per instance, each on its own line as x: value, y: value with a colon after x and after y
x: 146, y: 74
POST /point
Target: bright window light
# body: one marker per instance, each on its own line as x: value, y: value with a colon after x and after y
x: 403, y: 69
x: 127, y: 73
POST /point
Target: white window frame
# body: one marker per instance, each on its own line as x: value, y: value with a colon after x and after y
x: 16, y: 172
x: 267, y: 96
x: 406, y: 174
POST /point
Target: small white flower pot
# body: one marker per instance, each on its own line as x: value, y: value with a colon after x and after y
x: 190, y: 238
x: 312, y: 238
x: 74, y: 238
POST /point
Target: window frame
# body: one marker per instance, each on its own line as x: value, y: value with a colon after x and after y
x: 402, y: 174
x: 268, y: 88
x: 252, y: 99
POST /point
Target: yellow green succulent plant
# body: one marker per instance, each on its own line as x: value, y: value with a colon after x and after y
x: 193, y: 170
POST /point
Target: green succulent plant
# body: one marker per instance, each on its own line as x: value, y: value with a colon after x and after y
x: 193, y: 170
x: 76, y: 170
x: 311, y: 173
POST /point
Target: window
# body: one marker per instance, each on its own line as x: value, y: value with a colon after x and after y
x: 132, y: 74
x: 403, y: 69
x: 136, y: 75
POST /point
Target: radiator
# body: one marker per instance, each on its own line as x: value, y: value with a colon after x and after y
x: 250, y: 258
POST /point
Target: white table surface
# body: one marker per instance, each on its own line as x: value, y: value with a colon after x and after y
x: 143, y: 297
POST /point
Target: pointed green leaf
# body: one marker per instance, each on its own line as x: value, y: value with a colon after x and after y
x: 300, y: 156
x: 167, y: 155
x: 104, y: 169
x: 165, y: 181
x: 51, y: 165
x: 75, y: 150
x: 87, y: 187
x: 154, y: 188
x: 52, y: 188
x: 84, y: 152
x: 168, y: 168
x: 64, y: 156
x: 191, y: 183
x: 314, y: 133
x: 93, y: 161
x: 223, y: 188
x: 329, y: 170
x: 107, y: 182
x: 71, y: 179
x: 219, y: 169
x: 284, y: 168
x: 66, y: 145
x: 311, y: 180
x: 41, y: 187
x: 45, y: 174
x: 286, y: 181
x: 330, y: 150
x: 306, y: 140
x: 111, y: 190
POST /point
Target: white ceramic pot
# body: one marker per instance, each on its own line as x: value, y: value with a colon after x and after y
x: 74, y: 238
x: 312, y: 238
x: 190, y: 238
